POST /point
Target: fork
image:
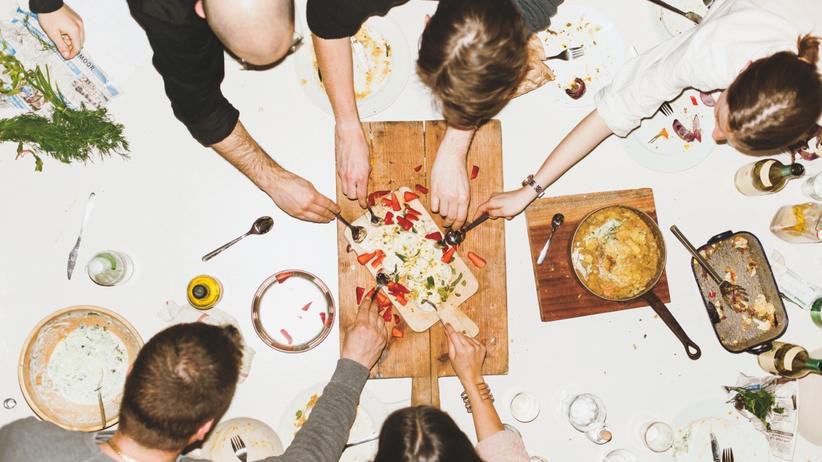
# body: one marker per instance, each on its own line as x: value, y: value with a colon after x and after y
x: 568, y: 54
x: 732, y: 293
x: 238, y: 446
x: 666, y: 109
x: 693, y: 17
x: 728, y: 455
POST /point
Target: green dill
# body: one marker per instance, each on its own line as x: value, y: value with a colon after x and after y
x: 429, y: 282
x: 761, y: 403
x: 402, y: 257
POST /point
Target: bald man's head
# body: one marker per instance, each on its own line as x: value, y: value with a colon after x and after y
x: 259, y: 32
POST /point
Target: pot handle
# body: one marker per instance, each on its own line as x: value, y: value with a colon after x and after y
x: 691, y: 349
x: 759, y: 349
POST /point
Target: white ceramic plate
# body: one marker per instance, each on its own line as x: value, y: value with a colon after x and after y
x: 370, y: 415
x: 387, y: 78
x: 694, y: 425
x: 577, y: 25
x: 260, y: 440
x: 675, y: 24
x: 673, y: 154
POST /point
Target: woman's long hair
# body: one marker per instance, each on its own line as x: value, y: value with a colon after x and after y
x: 775, y: 101
x: 423, y: 434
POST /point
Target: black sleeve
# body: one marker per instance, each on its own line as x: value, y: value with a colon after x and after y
x: 332, y: 19
x: 191, y: 61
x: 45, y: 6
x: 537, y: 13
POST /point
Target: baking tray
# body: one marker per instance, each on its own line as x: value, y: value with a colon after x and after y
x: 728, y: 250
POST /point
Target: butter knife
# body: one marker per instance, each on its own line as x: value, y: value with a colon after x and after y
x: 72, y: 259
x: 715, y: 448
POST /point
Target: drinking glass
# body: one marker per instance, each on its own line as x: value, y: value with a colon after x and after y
x: 587, y: 413
x: 657, y: 436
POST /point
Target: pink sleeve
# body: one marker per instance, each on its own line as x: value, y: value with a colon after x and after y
x: 502, y: 446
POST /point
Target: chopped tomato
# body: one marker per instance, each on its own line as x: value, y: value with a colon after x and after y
x: 449, y: 255
x: 693, y: 101
x: 372, y: 198
x: 411, y: 216
x: 409, y: 196
x: 363, y: 259
x: 478, y: 261
x: 418, y: 168
x: 395, y: 203
x: 360, y: 294
x: 474, y: 172
x: 401, y: 299
x: 287, y: 336
x: 307, y: 305
x: 389, y: 218
x: 283, y: 276
x: 387, y: 314
x: 396, y: 287
x: 421, y: 189
x: 323, y: 317
x: 409, y: 209
x: 435, y: 236
x: 396, y: 332
x: 378, y: 259
x: 404, y: 223
x: 386, y: 201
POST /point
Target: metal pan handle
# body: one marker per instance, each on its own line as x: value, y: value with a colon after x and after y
x: 691, y: 349
x: 759, y: 349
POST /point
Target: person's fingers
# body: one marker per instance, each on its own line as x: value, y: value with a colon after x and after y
x: 81, y: 35
x: 62, y: 46
x: 362, y: 192
x: 311, y: 216
x: 372, y: 312
x: 323, y: 207
x: 447, y: 213
x: 435, y: 203
x: 462, y: 215
x: 344, y: 186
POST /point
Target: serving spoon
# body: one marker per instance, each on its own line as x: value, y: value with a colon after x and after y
x: 358, y: 233
x: 261, y: 225
x: 456, y: 236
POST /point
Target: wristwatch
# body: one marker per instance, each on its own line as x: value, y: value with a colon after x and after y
x: 529, y: 181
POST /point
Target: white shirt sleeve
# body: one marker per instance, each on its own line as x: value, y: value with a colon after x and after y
x: 707, y: 57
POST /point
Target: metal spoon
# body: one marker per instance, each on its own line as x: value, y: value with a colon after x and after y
x: 375, y: 220
x: 362, y: 441
x: 556, y: 222
x: 382, y: 280
x: 436, y: 310
x: 455, y: 237
x: 103, y: 419
x: 358, y: 233
x: 261, y: 226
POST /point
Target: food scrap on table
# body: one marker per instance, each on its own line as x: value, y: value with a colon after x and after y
x: 576, y: 89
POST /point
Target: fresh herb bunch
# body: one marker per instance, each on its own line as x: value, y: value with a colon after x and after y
x: 761, y: 403
x: 70, y: 134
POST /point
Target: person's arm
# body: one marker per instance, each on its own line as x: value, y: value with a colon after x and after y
x: 587, y: 135
x: 323, y: 436
x: 336, y: 67
x: 61, y: 24
x: 450, y: 194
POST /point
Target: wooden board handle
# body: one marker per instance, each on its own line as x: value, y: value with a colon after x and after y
x: 459, y: 321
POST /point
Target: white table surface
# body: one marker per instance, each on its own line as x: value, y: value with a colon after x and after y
x: 174, y: 200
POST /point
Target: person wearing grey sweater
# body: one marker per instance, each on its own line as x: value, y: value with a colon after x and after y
x: 198, y: 368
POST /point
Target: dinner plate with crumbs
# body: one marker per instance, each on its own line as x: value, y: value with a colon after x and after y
x: 677, y: 142
x: 603, y: 47
x: 259, y: 439
x: 693, y: 428
x: 68, y: 357
x: 370, y: 415
x: 675, y: 24
x: 381, y: 67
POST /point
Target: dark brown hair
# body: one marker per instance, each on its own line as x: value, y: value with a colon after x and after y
x: 182, y: 378
x: 473, y: 54
x: 776, y: 100
x: 423, y: 434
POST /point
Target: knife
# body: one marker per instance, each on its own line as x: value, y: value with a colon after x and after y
x: 715, y: 448
x: 72, y: 259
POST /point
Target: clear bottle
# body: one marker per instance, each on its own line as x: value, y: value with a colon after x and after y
x: 797, y: 289
x: 812, y: 187
x: 789, y: 360
x: 765, y: 176
x: 587, y: 414
x: 110, y: 268
x: 800, y: 223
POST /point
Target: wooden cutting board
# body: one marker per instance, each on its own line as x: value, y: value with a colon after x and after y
x: 396, y: 149
x: 559, y: 293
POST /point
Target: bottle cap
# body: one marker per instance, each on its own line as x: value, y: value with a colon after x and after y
x: 797, y: 169
x: 200, y: 291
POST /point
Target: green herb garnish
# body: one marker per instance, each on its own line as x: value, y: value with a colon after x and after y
x: 761, y: 403
x: 429, y: 282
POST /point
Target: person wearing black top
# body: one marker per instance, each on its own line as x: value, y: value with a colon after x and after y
x: 473, y: 54
x: 189, y: 38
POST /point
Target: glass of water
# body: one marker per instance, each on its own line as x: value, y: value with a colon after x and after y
x: 587, y: 413
x: 658, y: 436
x: 812, y: 187
x: 620, y: 455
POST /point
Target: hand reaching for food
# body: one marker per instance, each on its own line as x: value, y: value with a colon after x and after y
x: 466, y: 355
x: 507, y: 204
x: 65, y: 29
x: 353, y: 165
x: 366, y: 338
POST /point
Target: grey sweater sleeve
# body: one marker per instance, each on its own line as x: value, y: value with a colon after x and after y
x: 537, y: 13
x: 326, y: 431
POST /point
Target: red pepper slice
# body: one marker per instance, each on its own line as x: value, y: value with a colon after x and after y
x: 369, y: 293
x: 410, y: 209
x: 397, y: 288
x: 360, y: 294
x: 401, y: 299
x: 410, y: 216
x: 474, y: 172
x: 323, y: 317
x: 364, y: 258
x: 421, y: 189
x: 396, y: 333
x: 307, y: 305
x: 478, y: 261
x: 283, y: 276
x: 386, y: 201
x: 693, y: 100
x: 418, y: 168
x: 396, y: 318
x: 449, y: 255
x: 378, y: 260
x: 387, y: 314
x: 382, y: 300
x: 435, y: 236
x: 395, y: 203
x: 404, y: 223
x: 372, y: 198
x: 389, y: 218
x: 287, y: 336
x: 408, y: 196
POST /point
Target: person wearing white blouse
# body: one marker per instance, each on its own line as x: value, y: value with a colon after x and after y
x: 760, y: 53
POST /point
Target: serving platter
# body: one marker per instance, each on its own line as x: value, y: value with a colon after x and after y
x: 68, y: 356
